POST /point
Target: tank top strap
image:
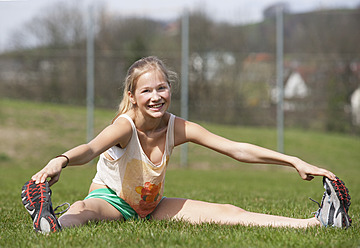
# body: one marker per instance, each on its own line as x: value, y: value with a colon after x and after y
x: 170, y: 133
x: 129, y: 119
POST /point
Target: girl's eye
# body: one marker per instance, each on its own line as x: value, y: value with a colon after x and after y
x: 162, y: 88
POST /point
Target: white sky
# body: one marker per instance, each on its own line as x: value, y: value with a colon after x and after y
x: 13, y: 13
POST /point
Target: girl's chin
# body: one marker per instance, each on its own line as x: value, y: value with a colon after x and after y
x: 156, y: 113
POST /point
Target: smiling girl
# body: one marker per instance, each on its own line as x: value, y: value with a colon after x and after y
x: 134, y: 153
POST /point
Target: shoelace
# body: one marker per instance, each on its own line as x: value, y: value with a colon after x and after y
x: 314, y: 213
x: 315, y: 202
x: 61, y: 212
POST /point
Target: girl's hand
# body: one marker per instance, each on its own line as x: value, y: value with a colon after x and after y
x: 308, y: 171
x: 52, y: 170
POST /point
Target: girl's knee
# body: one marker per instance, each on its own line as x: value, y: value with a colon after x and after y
x: 76, y: 215
x: 231, y: 209
x: 78, y: 206
x: 95, y: 208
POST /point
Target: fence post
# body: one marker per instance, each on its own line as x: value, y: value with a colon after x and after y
x: 280, y: 78
x: 90, y: 74
x: 184, y: 80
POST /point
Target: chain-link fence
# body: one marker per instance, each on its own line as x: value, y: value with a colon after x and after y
x: 223, y: 87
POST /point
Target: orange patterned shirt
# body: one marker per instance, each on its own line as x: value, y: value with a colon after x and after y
x: 132, y: 175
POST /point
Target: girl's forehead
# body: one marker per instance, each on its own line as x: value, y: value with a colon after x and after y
x: 151, y: 77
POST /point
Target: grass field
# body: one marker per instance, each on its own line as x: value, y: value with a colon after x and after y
x: 32, y: 133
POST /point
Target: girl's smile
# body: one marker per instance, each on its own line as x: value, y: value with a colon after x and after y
x: 156, y: 107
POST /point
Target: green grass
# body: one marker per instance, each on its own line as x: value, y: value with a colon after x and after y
x: 32, y: 133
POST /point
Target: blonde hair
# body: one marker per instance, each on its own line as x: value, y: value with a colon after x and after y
x: 136, y: 70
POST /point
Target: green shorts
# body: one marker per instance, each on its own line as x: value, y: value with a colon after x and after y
x: 122, y: 206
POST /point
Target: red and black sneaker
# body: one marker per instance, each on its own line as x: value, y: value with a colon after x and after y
x: 37, y: 201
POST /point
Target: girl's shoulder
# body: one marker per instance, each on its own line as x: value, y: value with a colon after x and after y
x: 123, y: 119
x: 186, y: 131
x: 182, y: 123
x: 124, y: 129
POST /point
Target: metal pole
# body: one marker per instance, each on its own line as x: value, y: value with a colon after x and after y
x: 90, y: 74
x: 184, y: 80
x: 280, y: 79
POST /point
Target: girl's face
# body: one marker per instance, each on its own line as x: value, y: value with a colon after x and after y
x: 152, y: 95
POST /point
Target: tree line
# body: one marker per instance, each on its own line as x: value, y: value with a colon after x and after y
x: 232, y: 67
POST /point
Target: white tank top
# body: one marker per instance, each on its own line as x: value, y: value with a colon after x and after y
x: 132, y: 175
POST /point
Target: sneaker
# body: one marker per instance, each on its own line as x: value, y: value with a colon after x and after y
x: 37, y: 201
x: 335, y: 203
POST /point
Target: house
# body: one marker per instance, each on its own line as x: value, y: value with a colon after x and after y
x: 211, y: 63
x: 355, y: 107
x: 295, y: 88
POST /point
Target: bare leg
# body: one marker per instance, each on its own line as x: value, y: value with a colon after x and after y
x: 90, y: 209
x: 200, y: 212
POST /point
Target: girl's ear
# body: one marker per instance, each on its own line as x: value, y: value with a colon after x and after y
x: 132, y: 98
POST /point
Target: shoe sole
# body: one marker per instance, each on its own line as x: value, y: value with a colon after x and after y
x: 27, y: 200
x: 39, y: 207
x: 342, y: 194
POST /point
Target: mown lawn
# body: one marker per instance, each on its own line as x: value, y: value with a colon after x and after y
x: 32, y: 133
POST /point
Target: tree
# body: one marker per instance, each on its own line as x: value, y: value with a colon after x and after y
x: 58, y: 26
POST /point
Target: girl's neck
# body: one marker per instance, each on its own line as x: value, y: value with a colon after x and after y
x: 147, y: 124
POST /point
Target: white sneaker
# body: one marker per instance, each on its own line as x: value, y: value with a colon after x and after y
x: 335, y: 203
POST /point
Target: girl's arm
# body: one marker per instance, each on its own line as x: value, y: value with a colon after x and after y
x: 186, y: 131
x: 117, y: 133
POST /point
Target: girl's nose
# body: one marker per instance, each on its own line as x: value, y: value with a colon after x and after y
x: 155, y: 96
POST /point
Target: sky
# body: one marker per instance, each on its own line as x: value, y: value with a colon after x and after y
x: 14, y: 13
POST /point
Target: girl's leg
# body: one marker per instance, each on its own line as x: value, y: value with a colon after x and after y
x: 200, y: 212
x: 90, y: 209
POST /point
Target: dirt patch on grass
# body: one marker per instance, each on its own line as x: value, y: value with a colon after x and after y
x: 19, y: 143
